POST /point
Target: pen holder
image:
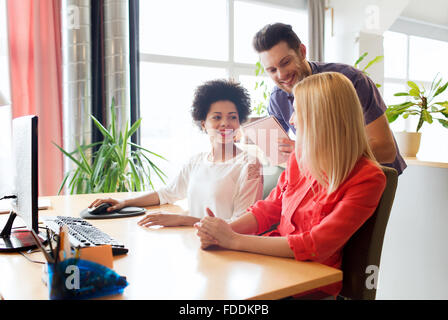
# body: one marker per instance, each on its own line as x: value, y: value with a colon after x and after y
x: 82, y: 279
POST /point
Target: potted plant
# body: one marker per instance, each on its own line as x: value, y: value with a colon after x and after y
x: 115, y: 167
x: 423, y: 106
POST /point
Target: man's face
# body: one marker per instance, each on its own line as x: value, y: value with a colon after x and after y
x: 285, y: 66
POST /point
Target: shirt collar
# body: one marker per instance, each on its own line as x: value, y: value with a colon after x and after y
x: 313, y: 66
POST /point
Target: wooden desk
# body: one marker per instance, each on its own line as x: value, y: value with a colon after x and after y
x: 168, y: 263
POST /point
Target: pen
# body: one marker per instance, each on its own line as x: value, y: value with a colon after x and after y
x: 51, y: 245
x: 58, y: 247
x: 77, y: 252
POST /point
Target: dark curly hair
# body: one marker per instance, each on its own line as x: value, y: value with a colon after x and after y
x: 220, y: 90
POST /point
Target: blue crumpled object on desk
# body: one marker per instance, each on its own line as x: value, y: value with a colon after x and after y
x: 82, y: 279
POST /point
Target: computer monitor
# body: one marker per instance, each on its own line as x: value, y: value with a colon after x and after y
x: 25, y: 153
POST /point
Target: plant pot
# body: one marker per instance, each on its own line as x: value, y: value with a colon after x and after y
x: 408, y: 143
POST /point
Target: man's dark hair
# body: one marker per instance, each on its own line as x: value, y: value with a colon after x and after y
x: 220, y: 90
x: 272, y: 34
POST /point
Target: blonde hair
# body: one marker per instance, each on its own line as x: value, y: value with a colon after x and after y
x: 331, y: 136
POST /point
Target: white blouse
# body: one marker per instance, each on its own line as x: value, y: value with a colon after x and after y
x: 227, y: 188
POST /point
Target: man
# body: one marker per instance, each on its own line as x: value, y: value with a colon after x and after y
x: 284, y: 59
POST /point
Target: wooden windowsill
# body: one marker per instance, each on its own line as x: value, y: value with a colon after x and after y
x: 426, y: 162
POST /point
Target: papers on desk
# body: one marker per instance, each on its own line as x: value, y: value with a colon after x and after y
x: 5, y: 205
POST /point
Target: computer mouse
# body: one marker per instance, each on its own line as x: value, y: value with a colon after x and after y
x: 101, y: 209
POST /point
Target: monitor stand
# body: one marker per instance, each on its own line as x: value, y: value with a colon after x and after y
x: 17, y: 240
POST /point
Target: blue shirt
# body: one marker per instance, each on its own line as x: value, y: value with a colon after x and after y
x: 281, y: 102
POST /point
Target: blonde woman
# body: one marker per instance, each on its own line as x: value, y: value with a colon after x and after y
x: 331, y: 186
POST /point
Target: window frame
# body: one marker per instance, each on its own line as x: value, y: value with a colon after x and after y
x: 234, y: 69
x: 403, y: 81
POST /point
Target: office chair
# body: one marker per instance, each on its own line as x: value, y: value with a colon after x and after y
x: 364, y: 247
x: 271, y: 174
x: 270, y: 178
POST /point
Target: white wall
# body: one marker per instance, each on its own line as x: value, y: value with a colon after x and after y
x: 414, y: 259
x: 358, y: 28
x: 430, y: 11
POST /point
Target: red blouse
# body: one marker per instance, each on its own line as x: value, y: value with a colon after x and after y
x: 318, y: 225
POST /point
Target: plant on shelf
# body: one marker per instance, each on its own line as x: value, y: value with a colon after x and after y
x: 420, y: 102
x: 118, y: 166
x: 377, y: 59
x: 262, y: 93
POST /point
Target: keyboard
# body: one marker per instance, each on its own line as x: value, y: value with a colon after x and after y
x: 83, y: 234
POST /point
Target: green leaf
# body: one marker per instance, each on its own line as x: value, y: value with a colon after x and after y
x: 415, y: 93
x: 155, y: 168
x: 124, y: 147
x: 426, y: 116
x: 63, y: 182
x: 441, y: 90
x: 113, y: 120
x: 444, y: 123
x: 136, y: 176
x: 401, y: 94
x: 146, y: 150
x: 84, y: 160
x: 433, y: 84
x: 85, y: 147
x: 103, y: 130
x: 79, y: 164
x: 361, y: 58
x: 391, y: 115
x: 376, y: 60
x: 434, y: 109
x: 404, y: 104
x: 134, y: 128
x: 412, y: 85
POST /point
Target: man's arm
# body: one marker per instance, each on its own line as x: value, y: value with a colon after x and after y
x: 381, y: 140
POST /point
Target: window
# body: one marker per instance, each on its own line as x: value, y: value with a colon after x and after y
x: 5, y: 112
x: 408, y: 57
x: 185, y: 43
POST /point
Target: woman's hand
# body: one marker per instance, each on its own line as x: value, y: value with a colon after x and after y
x: 215, y: 231
x: 116, y: 204
x: 163, y: 219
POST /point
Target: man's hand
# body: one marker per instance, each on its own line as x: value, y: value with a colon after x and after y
x: 286, y: 145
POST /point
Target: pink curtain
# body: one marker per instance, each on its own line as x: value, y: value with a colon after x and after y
x: 36, y: 79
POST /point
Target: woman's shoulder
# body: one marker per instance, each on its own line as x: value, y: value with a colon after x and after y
x: 196, y: 159
x: 367, y: 169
